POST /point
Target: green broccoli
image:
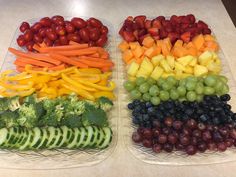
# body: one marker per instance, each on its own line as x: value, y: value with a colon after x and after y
x: 105, y: 104
x: 3, y: 104
x: 9, y: 119
x: 72, y: 121
x: 31, y: 99
x: 14, y: 103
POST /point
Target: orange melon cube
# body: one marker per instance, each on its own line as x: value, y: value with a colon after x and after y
x: 198, y: 41
x: 123, y: 46
x: 189, y: 45
x: 178, y: 43
x: 164, y: 49
x: 157, y: 50
x: 150, y: 52
x: 212, y: 45
x: 168, y: 43
x: 159, y: 43
x: 127, y: 55
x: 133, y: 45
x: 209, y: 37
x: 148, y: 41
x: 192, y: 51
x: 138, y: 51
x: 179, y: 52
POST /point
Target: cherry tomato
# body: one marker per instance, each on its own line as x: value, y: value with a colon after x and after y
x: 63, y: 40
x: 28, y: 35
x: 36, y: 27
x: 57, y: 42
x: 47, y: 41
x: 78, y: 22
x: 60, y: 30
x: 24, y: 26
x: 29, y: 46
x: 104, y: 30
x: 69, y: 28
x: 51, y: 35
x: 21, y: 41
x: 84, y: 34
x: 46, y: 22
x: 73, y: 37
x: 42, y: 32
x: 101, y: 41
x: 94, y: 22
x: 94, y: 34
x: 37, y: 39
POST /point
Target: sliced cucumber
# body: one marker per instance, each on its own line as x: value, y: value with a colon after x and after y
x: 3, y: 135
x: 107, y: 138
x: 100, y: 137
x: 81, y: 138
x: 65, y: 132
x: 36, y: 140
x: 75, y: 140
x: 28, y: 141
x: 43, y: 140
x: 58, y: 136
x: 52, y: 136
x: 89, y: 135
x: 94, y: 137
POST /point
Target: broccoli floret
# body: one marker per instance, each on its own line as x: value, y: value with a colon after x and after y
x: 31, y: 99
x: 105, y: 104
x: 4, y: 104
x: 72, y: 121
x: 9, y: 119
x: 92, y: 103
x: 14, y: 103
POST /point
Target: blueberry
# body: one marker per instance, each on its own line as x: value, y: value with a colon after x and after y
x: 200, y: 111
x: 151, y: 111
x: 148, y: 104
x: 216, y: 121
x: 136, y: 102
x: 225, y: 97
x: 189, y: 111
x: 227, y: 107
x: 130, y: 106
x: 135, y: 120
x: 234, y: 116
x: 218, y: 109
x: 139, y: 117
x: 134, y: 114
x: 145, y: 117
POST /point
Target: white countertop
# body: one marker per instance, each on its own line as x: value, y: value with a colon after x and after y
x: 121, y: 163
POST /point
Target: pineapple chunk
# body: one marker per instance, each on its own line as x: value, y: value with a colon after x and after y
x: 165, y: 75
x: 178, y: 74
x: 188, y: 70
x: 170, y: 61
x: 200, y: 70
x: 156, y: 60
x: 179, y: 66
x: 213, y: 67
x: 214, y: 55
x: 142, y: 73
x: 193, y: 62
x: 147, y: 66
x: 157, y: 72
x: 218, y: 61
x: 133, y: 68
x: 185, y: 60
x: 205, y: 57
x: 165, y: 66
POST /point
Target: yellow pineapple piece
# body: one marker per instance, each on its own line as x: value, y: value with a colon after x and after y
x: 157, y: 72
x: 156, y: 59
x: 133, y: 68
x: 147, y: 66
x: 170, y: 61
x: 193, y: 62
x: 165, y: 66
x: 205, y: 57
x: 185, y: 60
x: 179, y: 66
x: 188, y: 70
x: 200, y: 70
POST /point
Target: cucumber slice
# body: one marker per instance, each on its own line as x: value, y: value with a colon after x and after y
x: 36, y: 140
x: 58, y: 135
x: 100, y: 137
x: 43, y: 139
x: 81, y: 138
x: 28, y: 141
x: 107, y: 138
x: 65, y: 132
x: 52, y: 136
x: 75, y: 140
x: 3, y: 136
x: 94, y: 137
x: 89, y: 136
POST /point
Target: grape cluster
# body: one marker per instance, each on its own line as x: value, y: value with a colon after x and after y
x: 188, y: 89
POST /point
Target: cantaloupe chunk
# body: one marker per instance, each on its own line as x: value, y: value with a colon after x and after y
x: 209, y: 37
x: 198, y: 41
x: 168, y: 43
x: 138, y: 51
x: 127, y: 55
x: 164, y: 49
x: 211, y: 45
x: 179, y: 52
x: 159, y: 43
x: 123, y: 46
x: 150, y: 52
x: 133, y: 45
x: 157, y: 50
x: 148, y: 41
x: 178, y: 43
x: 189, y: 45
x: 192, y: 51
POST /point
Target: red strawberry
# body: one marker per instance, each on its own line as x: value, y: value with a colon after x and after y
x: 165, y: 22
x: 186, y: 20
x: 168, y: 28
x: 148, y: 24
x: 130, y: 18
x: 202, y: 25
x: 156, y: 23
x: 206, y: 31
x: 140, y: 20
x: 179, y: 19
x: 128, y: 23
x: 192, y: 18
x: 121, y: 30
x: 173, y: 37
x: 128, y: 36
x: 160, y: 18
x: 173, y: 19
x: 136, y: 26
x: 186, y: 37
x: 153, y: 31
x: 142, y: 32
x: 135, y: 33
x: 184, y: 25
x: 192, y: 30
x: 163, y: 33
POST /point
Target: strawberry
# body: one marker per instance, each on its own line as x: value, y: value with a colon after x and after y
x: 185, y: 20
x: 165, y: 22
x: 173, y: 37
x: 206, y: 31
x: 135, y: 33
x: 156, y: 23
x: 179, y: 19
x: 142, y: 32
x: 136, y: 26
x: 122, y: 30
x: 153, y: 31
x: 192, y: 18
x: 140, y: 21
x: 168, y: 28
x: 163, y: 33
x: 186, y: 37
x: 130, y: 18
x: 160, y: 18
x: 148, y: 24
x: 184, y: 25
x: 128, y: 36
x: 173, y: 19
x: 202, y: 25
x: 128, y: 24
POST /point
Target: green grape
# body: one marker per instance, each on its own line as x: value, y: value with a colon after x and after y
x: 199, y: 88
x: 140, y: 80
x: 151, y: 81
x: 164, y: 95
x: 181, y: 90
x: 143, y: 88
x: 199, y: 98
x: 171, y: 80
x: 182, y: 82
x: 191, y: 96
x: 190, y: 85
x: 182, y: 99
x: 219, y: 86
x: 225, y: 89
x: 154, y: 90
x: 192, y: 78
x: 210, y: 80
x: 208, y: 90
x: 200, y: 80
x: 166, y: 86
x: 155, y: 100
x: 129, y: 85
x: 160, y: 81
x: 146, y: 97
x: 224, y: 79
x: 174, y: 95
x: 135, y: 94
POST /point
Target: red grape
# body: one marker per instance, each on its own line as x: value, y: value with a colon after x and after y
x: 28, y: 35
x: 46, y: 22
x: 78, y: 22
x: 24, y: 26
x: 94, y: 22
x: 21, y: 41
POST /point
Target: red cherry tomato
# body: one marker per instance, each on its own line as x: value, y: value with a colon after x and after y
x: 63, y: 40
x: 94, y: 22
x: 51, y: 35
x: 69, y: 28
x: 60, y: 30
x: 46, y: 22
x: 104, y: 30
x: 101, y: 41
x: 36, y: 27
x: 29, y: 46
x: 94, y: 34
x: 28, y: 35
x: 42, y: 32
x: 37, y: 39
x: 24, y: 26
x: 47, y: 41
x: 84, y: 34
x: 73, y: 37
x: 21, y: 41
x: 78, y: 22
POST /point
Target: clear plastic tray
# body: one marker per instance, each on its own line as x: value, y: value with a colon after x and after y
x: 59, y: 159
x: 176, y: 157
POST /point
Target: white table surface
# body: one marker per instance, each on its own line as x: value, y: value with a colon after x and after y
x: 121, y: 163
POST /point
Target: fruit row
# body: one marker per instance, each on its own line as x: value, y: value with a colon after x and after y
x: 179, y: 95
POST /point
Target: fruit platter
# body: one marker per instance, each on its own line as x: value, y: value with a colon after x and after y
x: 58, y: 94
x: 178, y: 92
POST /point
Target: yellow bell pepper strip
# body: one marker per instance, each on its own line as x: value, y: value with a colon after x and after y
x: 17, y: 77
x: 81, y: 92
x: 21, y: 94
x: 52, y: 93
x: 76, y: 84
x: 99, y: 87
x: 54, y: 83
x: 63, y: 91
x: 90, y: 70
x: 109, y: 95
x: 94, y: 79
x: 102, y: 82
x: 6, y: 73
x: 17, y: 87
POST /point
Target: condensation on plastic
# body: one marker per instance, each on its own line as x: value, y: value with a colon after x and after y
x: 62, y: 158
x: 176, y: 157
